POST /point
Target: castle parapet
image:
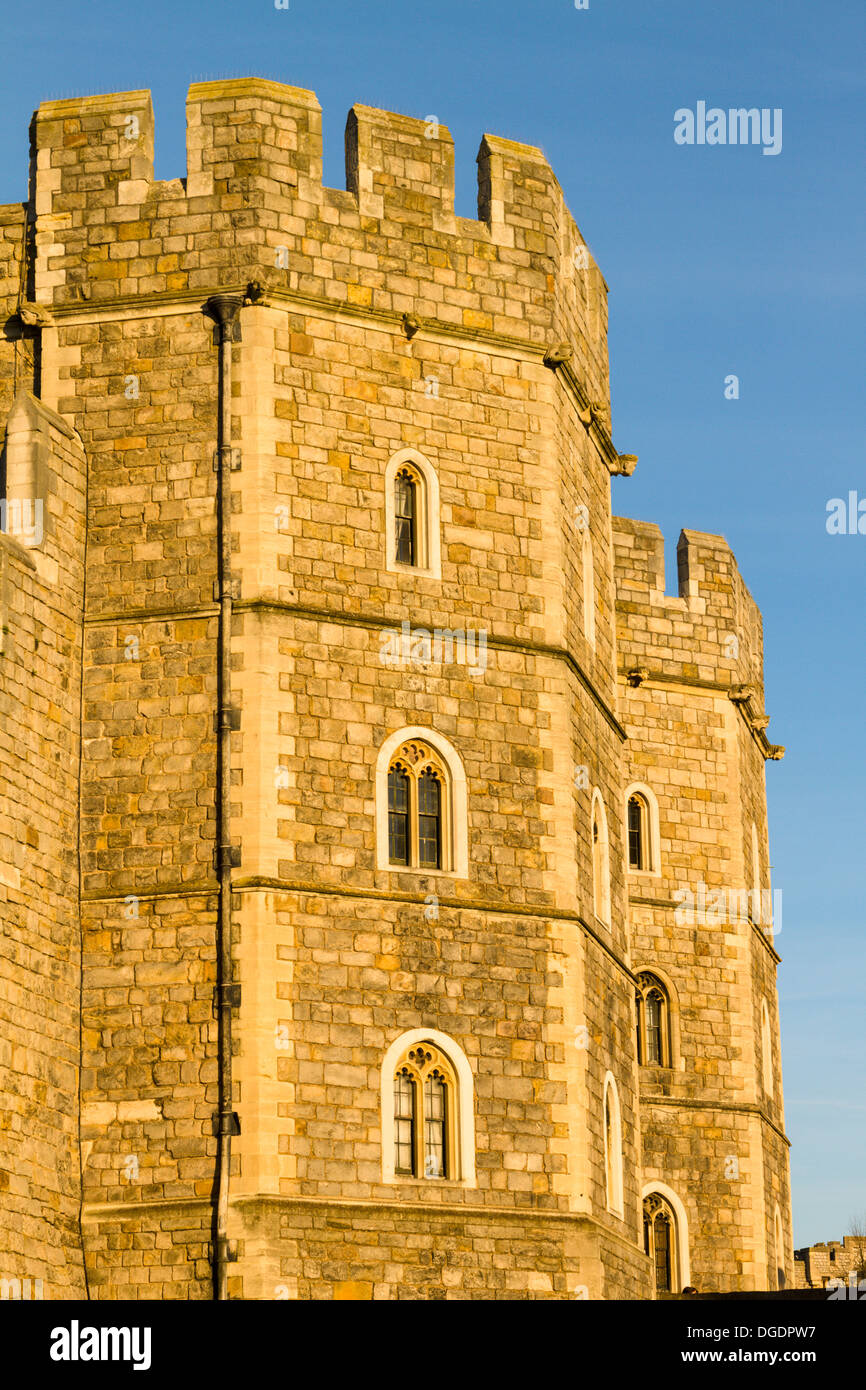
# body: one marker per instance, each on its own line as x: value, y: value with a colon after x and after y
x: 710, y: 632
x: 253, y: 208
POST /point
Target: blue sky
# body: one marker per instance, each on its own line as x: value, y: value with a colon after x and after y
x: 720, y: 260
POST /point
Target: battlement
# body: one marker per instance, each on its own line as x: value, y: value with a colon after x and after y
x: 710, y: 630
x: 253, y: 207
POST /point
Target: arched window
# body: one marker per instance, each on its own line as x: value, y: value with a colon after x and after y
x: 779, y: 1251
x: 412, y: 515
x: 642, y: 829
x: 417, y: 799
x: 588, y: 589
x: 653, y: 1022
x: 612, y: 1147
x: 638, y: 847
x: 766, y: 1050
x: 427, y: 1110
x: 661, y: 1242
x: 425, y: 1137
x: 421, y: 805
x: 406, y: 488
x: 600, y: 861
x: 666, y: 1238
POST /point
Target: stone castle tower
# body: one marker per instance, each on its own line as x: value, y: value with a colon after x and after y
x: 367, y: 804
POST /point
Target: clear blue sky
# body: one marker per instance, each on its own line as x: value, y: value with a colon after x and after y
x: 720, y: 260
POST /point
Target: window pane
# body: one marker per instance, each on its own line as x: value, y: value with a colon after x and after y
x: 609, y: 1154
x: 404, y: 1123
x: 653, y: 1029
x: 434, y: 1127
x: 662, y: 1241
x: 405, y: 518
x: 638, y: 1004
x: 635, y: 833
x: 398, y: 816
x: 429, y: 821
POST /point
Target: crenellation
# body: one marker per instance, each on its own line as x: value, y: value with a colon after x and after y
x: 252, y: 206
x: 709, y: 632
x: 400, y: 168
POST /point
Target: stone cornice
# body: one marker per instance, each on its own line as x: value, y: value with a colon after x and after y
x: 743, y: 696
x: 471, y: 1210
x: 253, y: 883
x: 669, y: 904
x: 369, y: 620
x: 494, y: 643
x: 728, y: 1107
x: 592, y: 415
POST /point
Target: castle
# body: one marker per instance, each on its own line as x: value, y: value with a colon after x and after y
x: 326, y: 975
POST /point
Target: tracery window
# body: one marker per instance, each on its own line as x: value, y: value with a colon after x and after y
x: 661, y: 1242
x: 653, y: 1022
x: 419, y: 808
x: 425, y: 1111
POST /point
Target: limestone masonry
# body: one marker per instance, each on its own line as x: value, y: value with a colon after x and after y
x: 326, y: 976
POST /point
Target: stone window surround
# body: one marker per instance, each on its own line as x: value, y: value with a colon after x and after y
x: 613, y: 1162
x: 455, y: 813
x: 426, y: 516
x: 684, y: 1273
x: 600, y: 861
x: 464, y: 1108
x: 677, y: 1061
x: 652, y: 832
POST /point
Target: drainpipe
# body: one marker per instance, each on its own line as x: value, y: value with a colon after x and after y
x: 223, y: 308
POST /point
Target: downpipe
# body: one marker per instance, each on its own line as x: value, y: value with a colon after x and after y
x: 223, y: 309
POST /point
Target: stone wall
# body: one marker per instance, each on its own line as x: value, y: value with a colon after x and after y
x: 41, y: 577
x: 711, y: 1130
